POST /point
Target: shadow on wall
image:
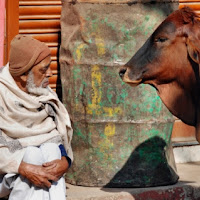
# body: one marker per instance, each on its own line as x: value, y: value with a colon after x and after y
x: 147, y: 166
x: 58, y: 82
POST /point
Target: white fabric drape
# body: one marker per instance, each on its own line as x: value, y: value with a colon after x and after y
x: 27, y: 120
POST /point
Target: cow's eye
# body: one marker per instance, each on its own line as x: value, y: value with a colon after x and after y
x: 161, y: 39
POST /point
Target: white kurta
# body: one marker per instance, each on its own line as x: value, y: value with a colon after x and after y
x: 19, y: 188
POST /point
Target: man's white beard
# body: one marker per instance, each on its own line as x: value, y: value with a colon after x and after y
x: 33, y: 89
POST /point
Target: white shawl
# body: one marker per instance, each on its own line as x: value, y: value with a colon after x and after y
x: 27, y: 120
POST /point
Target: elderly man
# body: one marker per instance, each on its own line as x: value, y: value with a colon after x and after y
x: 35, y: 129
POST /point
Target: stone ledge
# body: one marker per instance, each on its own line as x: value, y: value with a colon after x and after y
x: 185, y: 154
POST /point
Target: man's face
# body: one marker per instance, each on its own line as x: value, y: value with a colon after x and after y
x: 38, y: 78
x: 42, y: 72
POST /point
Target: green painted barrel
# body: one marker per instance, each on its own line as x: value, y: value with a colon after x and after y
x: 121, y: 134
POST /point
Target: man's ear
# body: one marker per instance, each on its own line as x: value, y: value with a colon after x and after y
x: 24, y: 77
x: 193, y: 48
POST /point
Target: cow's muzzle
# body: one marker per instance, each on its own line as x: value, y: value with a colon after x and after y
x: 123, y: 73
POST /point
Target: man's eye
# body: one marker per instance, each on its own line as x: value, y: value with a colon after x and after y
x: 161, y: 39
x: 43, y: 70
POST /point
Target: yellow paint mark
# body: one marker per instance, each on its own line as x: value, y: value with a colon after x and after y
x: 112, y: 111
x: 117, y: 110
x: 79, y: 49
x: 97, y: 93
x: 96, y: 85
x: 109, y: 129
x: 106, y: 144
x: 95, y: 107
x: 100, y: 45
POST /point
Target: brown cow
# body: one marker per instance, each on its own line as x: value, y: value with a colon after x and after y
x: 169, y: 61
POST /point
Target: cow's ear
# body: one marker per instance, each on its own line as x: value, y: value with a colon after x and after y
x: 193, y: 50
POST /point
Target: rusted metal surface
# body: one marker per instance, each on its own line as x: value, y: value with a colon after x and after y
x: 121, y: 134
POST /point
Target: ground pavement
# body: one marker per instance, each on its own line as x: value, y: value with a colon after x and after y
x: 188, y: 188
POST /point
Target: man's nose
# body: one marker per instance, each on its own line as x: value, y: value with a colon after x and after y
x: 49, y: 72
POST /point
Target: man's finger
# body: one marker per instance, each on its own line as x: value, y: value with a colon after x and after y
x: 52, y: 178
x: 49, y: 164
x: 47, y: 183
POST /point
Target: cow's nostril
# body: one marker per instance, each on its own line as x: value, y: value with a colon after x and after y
x: 122, y: 72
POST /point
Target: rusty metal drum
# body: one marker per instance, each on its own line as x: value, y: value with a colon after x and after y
x: 121, y: 134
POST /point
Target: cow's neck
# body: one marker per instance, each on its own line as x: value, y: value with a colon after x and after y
x: 179, y: 103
